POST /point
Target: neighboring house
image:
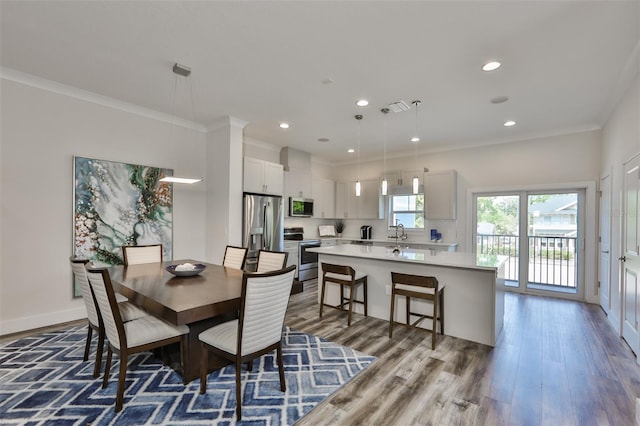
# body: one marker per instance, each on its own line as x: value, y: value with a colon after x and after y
x: 555, y: 217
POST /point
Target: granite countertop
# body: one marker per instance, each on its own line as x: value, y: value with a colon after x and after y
x: 429, y: 257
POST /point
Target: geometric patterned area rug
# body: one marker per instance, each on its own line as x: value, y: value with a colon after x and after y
x: 43, y: 381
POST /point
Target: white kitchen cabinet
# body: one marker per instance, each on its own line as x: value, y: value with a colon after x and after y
x: 328, y: 242
x: 324, y: 198
x: 263, y: 177
x: 367, y: 206
x: 297, y: 183
x: 440, y: 194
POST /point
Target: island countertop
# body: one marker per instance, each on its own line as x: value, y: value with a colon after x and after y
x: 425, y: 257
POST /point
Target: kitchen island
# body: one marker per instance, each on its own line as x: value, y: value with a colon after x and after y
x: 474, y: 293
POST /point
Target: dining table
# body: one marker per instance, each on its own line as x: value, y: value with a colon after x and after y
x: 199, y: 301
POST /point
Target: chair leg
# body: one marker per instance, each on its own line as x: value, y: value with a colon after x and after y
x: 365, y: 297
x: 204, y: 361
x: 238, y: 389
x: 351, y: 291
x: 88, y: 344
x: 434, y: 326
x: 121, y: 380
x: 99, y: 350
x: 392, y: 313
x: 283, y: 383
x: 322, y: 296
x: 408, y: 301
x: 107, y: 368
x: 442, y: 312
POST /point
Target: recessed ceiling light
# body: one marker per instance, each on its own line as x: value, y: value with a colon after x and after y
x: 362, y: 103
x: 415, y: 139
x: 323, y: 139
x: 499, y: 99
x: 351, y: 150
x: 509, y: 123
x: 490, y: 66
x: 284, y: 125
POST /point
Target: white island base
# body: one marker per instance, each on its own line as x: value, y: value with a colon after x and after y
x: 473, y: 295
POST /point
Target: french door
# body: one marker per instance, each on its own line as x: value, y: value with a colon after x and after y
x: 540, y: 235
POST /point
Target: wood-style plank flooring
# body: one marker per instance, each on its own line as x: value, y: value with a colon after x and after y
x: 557, y: 362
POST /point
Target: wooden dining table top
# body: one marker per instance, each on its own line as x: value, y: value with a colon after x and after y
x: 180, y: 300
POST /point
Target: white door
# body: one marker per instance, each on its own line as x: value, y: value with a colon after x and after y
x: 605, y: 244
x: 630, y: 259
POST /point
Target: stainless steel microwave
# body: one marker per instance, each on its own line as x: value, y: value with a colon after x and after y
x: 300, y: 207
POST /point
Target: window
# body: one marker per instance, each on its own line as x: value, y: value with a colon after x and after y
x: 407, y: 210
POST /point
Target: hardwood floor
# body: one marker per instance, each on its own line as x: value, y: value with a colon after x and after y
x: 557, y: 362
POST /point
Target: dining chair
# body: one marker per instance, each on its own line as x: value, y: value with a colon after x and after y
x: 418, y: 287
x: 235, y: 257
x: 258, y: 331
x: 127, y: 338
x: 271, y: 260
x: 134, y: 255
x: 128, y: 311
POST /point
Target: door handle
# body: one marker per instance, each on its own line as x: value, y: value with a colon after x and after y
x: 623, y: 258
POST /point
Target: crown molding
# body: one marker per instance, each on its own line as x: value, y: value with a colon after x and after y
x: 226, y: 121
x: 30, y: 80
x: 262, y: 145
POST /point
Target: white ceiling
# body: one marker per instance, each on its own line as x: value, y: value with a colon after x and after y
x: 265, y: 62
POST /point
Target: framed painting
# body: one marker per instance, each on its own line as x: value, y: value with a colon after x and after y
x: 116, y: 204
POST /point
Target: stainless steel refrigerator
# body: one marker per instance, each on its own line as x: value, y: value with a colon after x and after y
x: 263, y: 226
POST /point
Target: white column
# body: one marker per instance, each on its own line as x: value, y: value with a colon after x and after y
x: 224, y: 187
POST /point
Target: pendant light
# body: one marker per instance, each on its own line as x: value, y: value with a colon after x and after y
x: 385, y: 111
x: 415, y: 140
x: 358, y: 117
x: 184, y: 71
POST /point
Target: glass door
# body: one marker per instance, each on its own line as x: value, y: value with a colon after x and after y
x: 498, y: 231
x: 537, y: 232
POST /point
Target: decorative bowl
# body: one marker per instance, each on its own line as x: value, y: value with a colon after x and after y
x: 179, y: 272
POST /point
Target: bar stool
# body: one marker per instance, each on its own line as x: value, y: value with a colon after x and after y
x: 418, y: 287
x: 345, y: 276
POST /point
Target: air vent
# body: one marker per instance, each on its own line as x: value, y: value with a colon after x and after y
x: 399, y: 106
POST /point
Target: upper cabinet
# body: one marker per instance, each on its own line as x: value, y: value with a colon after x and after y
x: 324, y: 197
x: 297, y: 183
x: 440, y: 194
x: 297, y: 172
x: 368, y: 205
x: 263, y: 177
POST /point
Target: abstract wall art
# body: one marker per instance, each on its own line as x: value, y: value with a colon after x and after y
x: 118, y: 204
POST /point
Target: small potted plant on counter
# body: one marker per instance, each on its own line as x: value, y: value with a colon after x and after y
x: 339, y: 227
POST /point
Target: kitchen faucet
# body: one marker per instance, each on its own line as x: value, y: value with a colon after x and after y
x: 402, y: 236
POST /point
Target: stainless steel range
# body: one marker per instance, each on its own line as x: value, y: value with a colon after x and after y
x: 307, y: 261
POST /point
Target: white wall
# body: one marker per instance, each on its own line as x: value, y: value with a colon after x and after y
x: 621, y: 141
x: 41, y: 132
x: 550, y: 160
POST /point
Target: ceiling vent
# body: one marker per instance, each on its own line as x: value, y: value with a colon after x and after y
x: 399, y: 106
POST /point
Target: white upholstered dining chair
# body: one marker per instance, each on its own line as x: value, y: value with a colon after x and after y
x: 127, y: 338
x: 128, y: 312
x: 235, y: 257
x: 258, y: 331
x: 134, y: 255
x: 271, y: 260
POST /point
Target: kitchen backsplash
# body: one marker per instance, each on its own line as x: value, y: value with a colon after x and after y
x: 448, y: 228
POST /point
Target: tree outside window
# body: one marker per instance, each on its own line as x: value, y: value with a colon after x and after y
x: 407, y: 210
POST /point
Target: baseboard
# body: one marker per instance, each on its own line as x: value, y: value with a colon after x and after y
x: 43, y: 320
